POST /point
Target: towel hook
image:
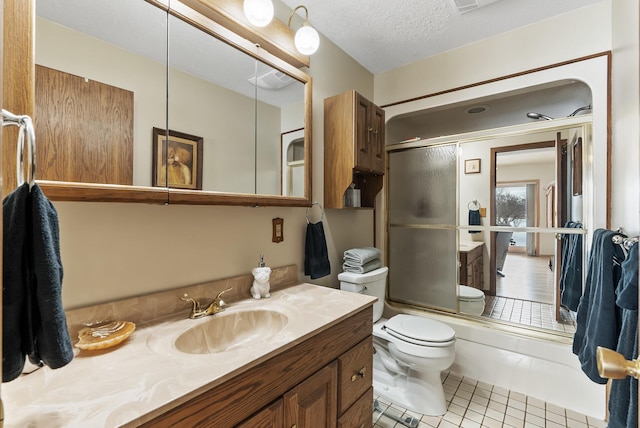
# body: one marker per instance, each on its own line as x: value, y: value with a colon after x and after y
x: 473, y: 204
x: 318, y: 204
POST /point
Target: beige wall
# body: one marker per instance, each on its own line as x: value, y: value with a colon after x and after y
x: 111, y: 251
x: 607, y: 25
x: 115, y: 250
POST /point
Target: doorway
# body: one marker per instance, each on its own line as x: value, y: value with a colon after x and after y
x: 524, y: 283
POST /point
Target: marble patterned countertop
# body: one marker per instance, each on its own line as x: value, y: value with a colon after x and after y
x: 146, y: 375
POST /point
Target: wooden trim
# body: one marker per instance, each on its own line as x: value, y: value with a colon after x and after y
x: 276, y: 38
x: 234, y: 400
x: 89, y: 192
x: 510, y: 76
x: 18, y: 78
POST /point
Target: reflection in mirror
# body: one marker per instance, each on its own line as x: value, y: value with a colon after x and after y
x: 293, y: 163
x: 210, y: 97
x: 280, y: 106
x: 229, y: 109
x: 98, y: 65
x: 525, y: 185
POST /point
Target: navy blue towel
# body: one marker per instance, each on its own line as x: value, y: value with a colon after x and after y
x: 474, y: 220
x: 52, y: 344
x: 14, y: 277
x: 623, y: 398
x: 571, y: 273
x: 316, y: 256
x: 598, y: 319
x: 34, y: 322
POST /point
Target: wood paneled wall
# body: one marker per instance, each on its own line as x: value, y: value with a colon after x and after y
x: 84, y: 129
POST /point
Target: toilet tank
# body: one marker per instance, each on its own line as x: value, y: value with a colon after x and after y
x: 371, y: 283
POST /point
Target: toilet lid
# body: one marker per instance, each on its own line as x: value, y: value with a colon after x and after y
x: 420, y: 328
x: 469, y: 293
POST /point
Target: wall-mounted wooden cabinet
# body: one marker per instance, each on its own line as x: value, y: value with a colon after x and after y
x: 354, y: 148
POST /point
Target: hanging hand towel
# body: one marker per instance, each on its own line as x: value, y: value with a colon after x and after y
x: 571, y: 274
x: 360, y: 256
x: 14, y: 283
x: 474, y: 220
x: 623, y: 398
x: 598, y: 317
x: 316, y: 256
x: 52, y: 344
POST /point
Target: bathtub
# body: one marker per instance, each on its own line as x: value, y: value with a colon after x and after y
x: 537, y: 367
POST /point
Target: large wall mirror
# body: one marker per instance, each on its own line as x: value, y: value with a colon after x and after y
x: 136, y: 103
x: 523, y: 159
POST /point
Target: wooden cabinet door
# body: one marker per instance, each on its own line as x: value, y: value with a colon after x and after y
x: 362, y: 133
x: 271, y: 416
x: 313, y: 403
x: 376, y: 146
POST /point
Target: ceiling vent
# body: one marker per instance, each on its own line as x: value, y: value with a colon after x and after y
x: 273, y: 79
x: 469, y: 5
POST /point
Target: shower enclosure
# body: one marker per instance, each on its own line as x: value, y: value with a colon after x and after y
x: 422, y: 226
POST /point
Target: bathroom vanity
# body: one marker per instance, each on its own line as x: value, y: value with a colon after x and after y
x: 309, y: 359
x: 472, y: 264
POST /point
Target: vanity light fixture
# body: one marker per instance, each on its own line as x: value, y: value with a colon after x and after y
x: 258, y: 12
x: 307, y: 39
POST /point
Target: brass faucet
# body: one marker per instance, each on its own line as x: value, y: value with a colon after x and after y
x: 214, y: 307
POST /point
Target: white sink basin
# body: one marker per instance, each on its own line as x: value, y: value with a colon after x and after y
x: 227, y: 331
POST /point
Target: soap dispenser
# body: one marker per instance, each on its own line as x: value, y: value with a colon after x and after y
x: 260, y: 287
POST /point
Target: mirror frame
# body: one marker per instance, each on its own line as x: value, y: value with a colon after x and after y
x: 204, y: 18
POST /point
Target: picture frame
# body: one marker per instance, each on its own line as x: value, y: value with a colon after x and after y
x: 183, y: 153
x: 472, y: 166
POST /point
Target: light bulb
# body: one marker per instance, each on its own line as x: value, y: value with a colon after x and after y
x: 258, y: 12
x: 307, y: 40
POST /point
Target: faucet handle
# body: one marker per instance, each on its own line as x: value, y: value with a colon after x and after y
x: 218, y: 298
x: 186, y: 298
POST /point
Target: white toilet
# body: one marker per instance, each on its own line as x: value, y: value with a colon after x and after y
x: 410, y: 351
x: 471, y: 300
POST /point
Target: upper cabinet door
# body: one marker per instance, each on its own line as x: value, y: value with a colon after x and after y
x: 369, y: 136
x: 376, y: 146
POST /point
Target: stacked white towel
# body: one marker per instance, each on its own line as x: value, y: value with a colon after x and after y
x: 361, y: 260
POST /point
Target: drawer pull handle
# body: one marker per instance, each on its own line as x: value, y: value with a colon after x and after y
x: 294, y: 426
x: 359, y: 374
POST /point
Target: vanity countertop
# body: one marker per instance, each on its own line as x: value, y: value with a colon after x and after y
x: 145, y: 376
x: 468, y: 246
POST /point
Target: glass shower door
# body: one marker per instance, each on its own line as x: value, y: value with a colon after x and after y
x: 422, y: 226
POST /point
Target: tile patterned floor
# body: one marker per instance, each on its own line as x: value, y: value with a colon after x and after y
x: 524, y: 312
x: 474, y: 404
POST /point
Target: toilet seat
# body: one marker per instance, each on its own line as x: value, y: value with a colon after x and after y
x: 420, y: 331
x: 470, y: 294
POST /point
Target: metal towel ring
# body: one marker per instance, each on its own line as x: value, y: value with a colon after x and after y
x: 318, y: 204
x: 26, y: 129
x: 473, y: 204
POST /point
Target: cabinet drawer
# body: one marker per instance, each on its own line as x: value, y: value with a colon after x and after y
x: 360, y: 415
x: 354, y: 373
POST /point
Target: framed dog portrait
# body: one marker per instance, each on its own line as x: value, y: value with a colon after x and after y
x: 177, y: 160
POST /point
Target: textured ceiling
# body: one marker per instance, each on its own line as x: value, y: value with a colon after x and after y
x: 385, y: 34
